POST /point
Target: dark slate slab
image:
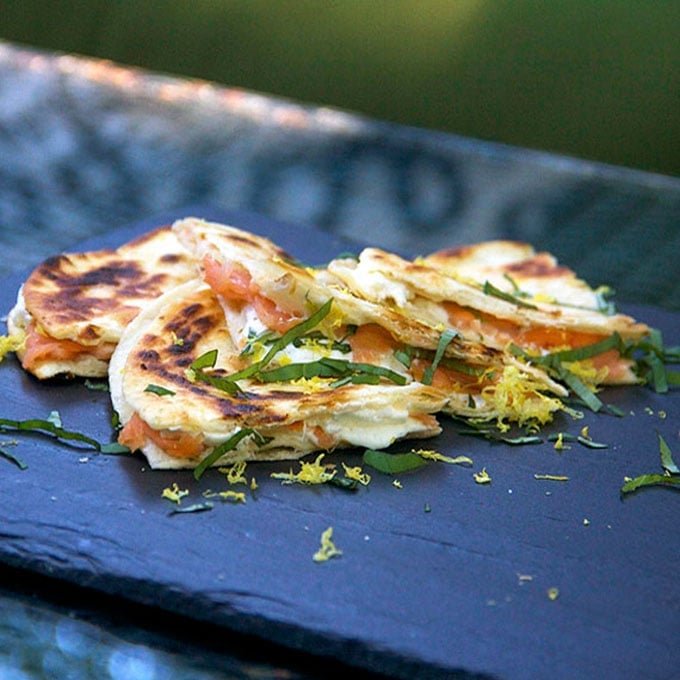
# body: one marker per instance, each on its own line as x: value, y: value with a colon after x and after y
x: 439, y: 577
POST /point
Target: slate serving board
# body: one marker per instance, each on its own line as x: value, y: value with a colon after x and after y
x: 440, y: 577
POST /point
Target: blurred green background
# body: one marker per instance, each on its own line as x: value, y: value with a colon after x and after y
x: 598, y: 80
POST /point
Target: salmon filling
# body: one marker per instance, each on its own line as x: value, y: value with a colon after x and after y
x: 234, y: 283
x: 610, y: 364
x: 176, y: 443
x: 41, y: 348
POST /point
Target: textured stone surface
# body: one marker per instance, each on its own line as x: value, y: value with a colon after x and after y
x: 87, y: 146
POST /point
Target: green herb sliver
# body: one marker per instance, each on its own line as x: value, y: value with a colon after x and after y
x: 226, y: 446
x: 671, y: 470
x: 393, y: 463
x: 490, y: 289
x: 13, y: 459
x: 444, y: 341
x: 159, y: 390
x: 49, y: 427
x: 286, y: 339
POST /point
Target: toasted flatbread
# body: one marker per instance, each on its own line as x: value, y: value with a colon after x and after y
x: 263, y: 291
x: 498, y: 293
x: 179, y: 415
x: 74, y: 307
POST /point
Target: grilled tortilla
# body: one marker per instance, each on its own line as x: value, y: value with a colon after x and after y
x: 73, y: 308
x: 179, y: 414
x: 499, y: 293
x: 264, y: 293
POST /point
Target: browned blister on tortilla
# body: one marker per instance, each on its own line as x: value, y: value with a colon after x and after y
x: 74, y: 307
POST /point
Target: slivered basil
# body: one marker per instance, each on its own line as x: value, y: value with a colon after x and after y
x: 286, y: 339
x: 226, y: 446
x: 649, y: 480
x: 444, y: 341
x: 48, y: 427
x: 13, y: 459
x: 159, y: 390
x: 326, y: 367
x: 206, y: 360
x: 393, y: 463
x: 490, y: 289
x: 667, y: 462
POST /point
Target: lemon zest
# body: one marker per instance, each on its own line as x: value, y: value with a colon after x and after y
x: 435, y: 455
x: 11, y: 343
x: 482, y: 477
x: 328, y: 549
x: 553, y: 478
x: 397, y: 484
x: 228, y: 495
x: 356, y: 474
x: 516, y: 397
x: 590, y: 375
x: 559, y: 443
x: 235, y: 472
x: 309, y: 473
x: 174, y: 493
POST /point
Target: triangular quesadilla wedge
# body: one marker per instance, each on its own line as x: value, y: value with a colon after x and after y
x: 73, y: 308
x: 173, y: 384
x: 264, y: 292
x: 503, y: 295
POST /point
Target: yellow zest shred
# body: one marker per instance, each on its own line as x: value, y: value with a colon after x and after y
x: 584, y: 432
x: 397, y: 484
x: 11, y: 343
x: 174, y: 493
x: 559, y: 443
x: 553, y: 593
x: 590, y: 376
x: 516, y: 397
x: 434, y: 455
x: 554, y: 478
x: 357, y: 474
x: 328, y: 549
x: 253, y: 484
x: 235, y: 472
x: 229, y: 495
x: 310, y: 473
x: 482, y: 477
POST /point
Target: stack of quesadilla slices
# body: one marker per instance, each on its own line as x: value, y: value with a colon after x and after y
x: 250, y: 355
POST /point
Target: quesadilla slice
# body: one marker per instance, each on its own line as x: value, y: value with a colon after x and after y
x: 73, y: 308
x: 505, y: 296
x: 264, y: 292
x: 184, y: 399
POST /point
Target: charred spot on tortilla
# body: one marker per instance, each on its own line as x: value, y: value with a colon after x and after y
x: 73, y: 308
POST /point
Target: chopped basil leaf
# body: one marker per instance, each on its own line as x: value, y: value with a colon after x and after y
x: 206, y: 360
x: 649, y: 480
x: 667, y: 462
x: 590, y: 443
x: 13, y: 459
x: 114, y: 449
x: 226, y: 446
x: 196, y: 507
x: 286, y: 339
x: 403, y: 357
x: 490, y: 289
x: 97, y: 385
x: 444, y: 341
x: 160, y: 391
x: 393, y: 463
x: 48, y: 427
